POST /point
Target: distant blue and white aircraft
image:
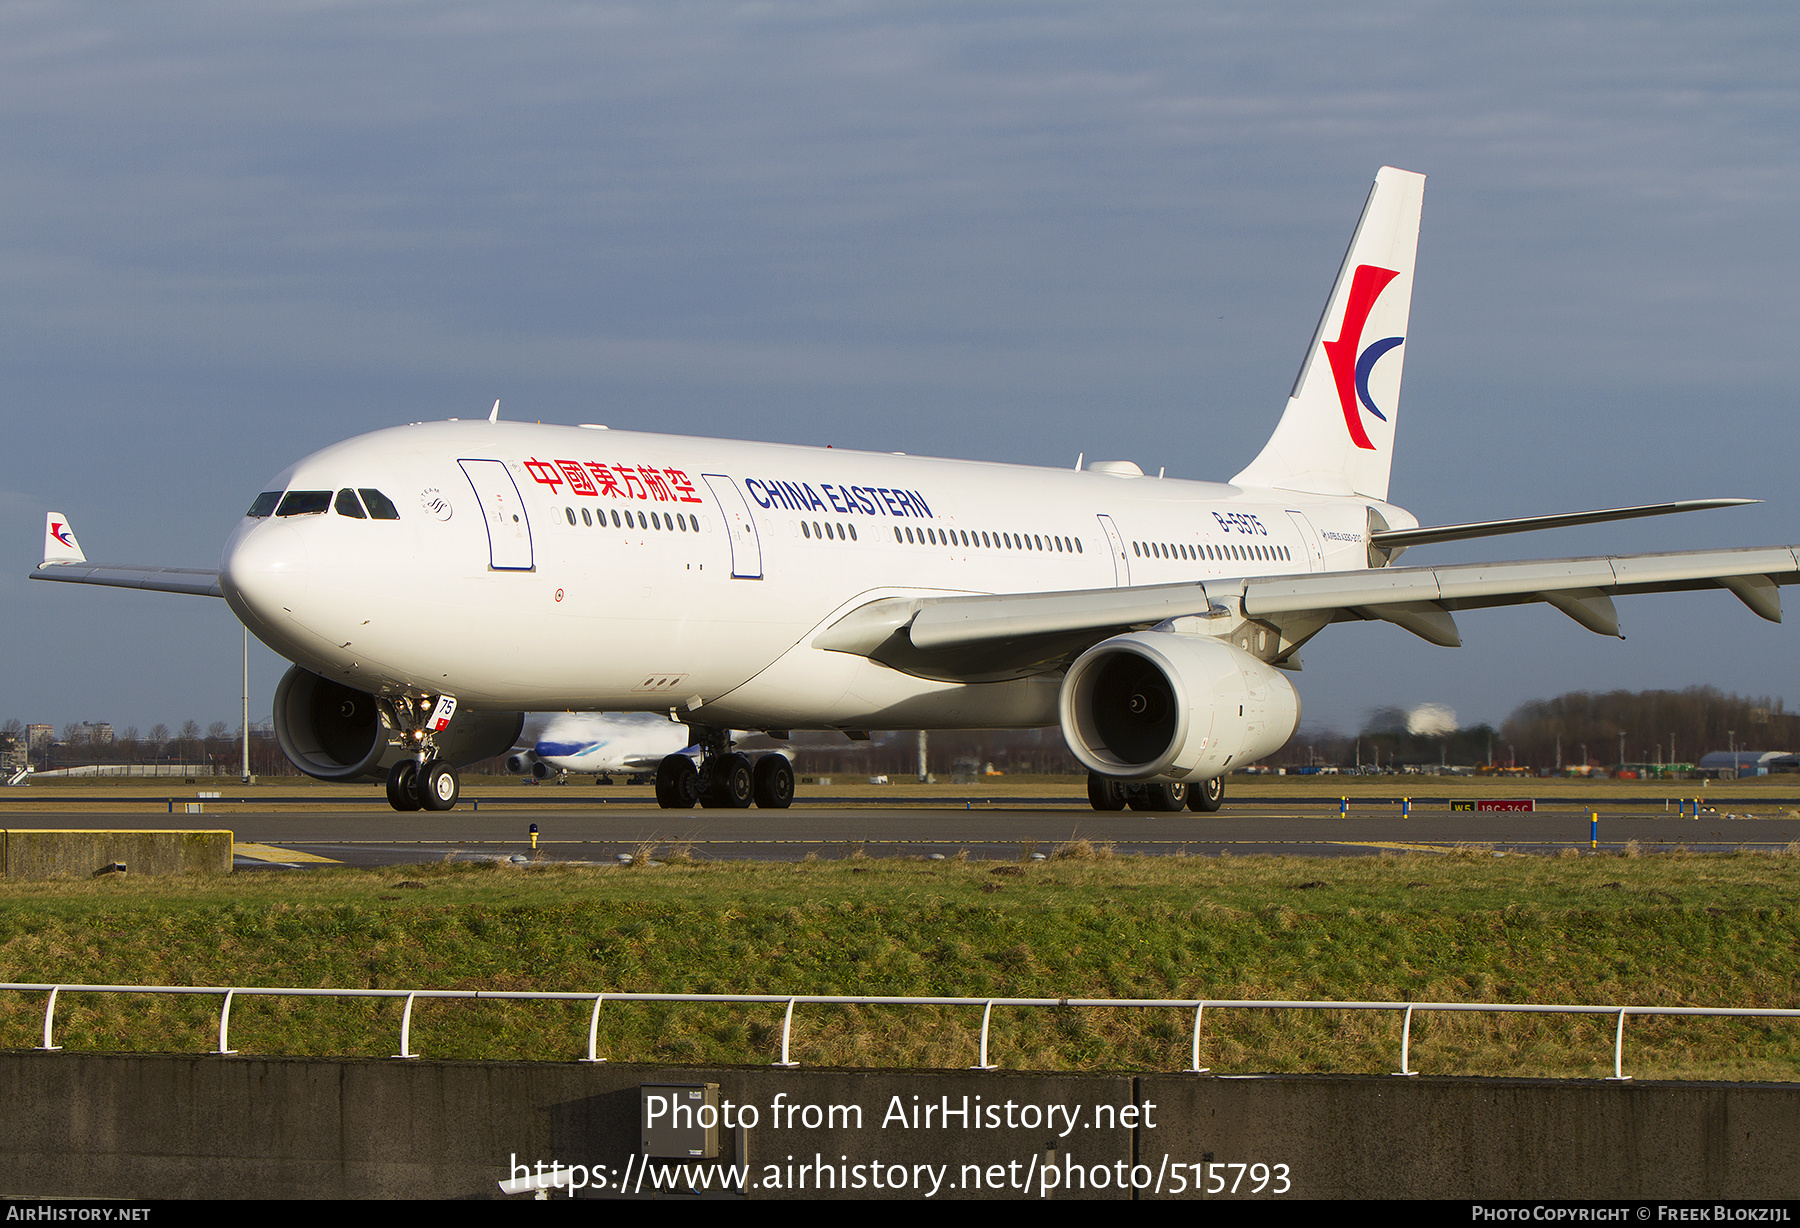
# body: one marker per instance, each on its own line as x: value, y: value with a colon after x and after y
x: 434, y: 582
x: 596, y: 743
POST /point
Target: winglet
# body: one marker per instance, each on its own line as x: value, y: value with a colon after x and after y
x: 494, y: 414
x: 60, y: 545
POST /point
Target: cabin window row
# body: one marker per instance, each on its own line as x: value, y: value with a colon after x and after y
x: 829, y: 531
x: 671, y: 522
x: 998, y: 541
x: 1170, y: 550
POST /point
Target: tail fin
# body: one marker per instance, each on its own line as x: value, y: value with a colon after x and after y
x: 1337, y: 436
x: 60, y: 545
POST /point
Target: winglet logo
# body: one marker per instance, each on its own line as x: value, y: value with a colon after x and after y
x: 60, y: 532
x: 1350, y: 362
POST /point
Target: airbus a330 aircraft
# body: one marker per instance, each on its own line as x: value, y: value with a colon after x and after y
x: 769, y: 587
x: 556, y: 743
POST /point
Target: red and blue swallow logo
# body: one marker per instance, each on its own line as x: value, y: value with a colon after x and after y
x: 1351, y: 361
x: 60, y: 532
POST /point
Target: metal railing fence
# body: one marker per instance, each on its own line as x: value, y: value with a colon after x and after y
x: 1198, y: 1006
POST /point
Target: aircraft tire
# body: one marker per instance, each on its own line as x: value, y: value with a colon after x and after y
x: 1105, y: 793
x: 400, y: 791
x: 439, y: 787
x: 1161, y: 798
x: 1207, y: 796
x: 728, y: 784
x: 677, y: 783
x: 772, y: 782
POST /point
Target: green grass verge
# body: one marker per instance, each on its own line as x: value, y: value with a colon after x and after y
x: 1668, y: 930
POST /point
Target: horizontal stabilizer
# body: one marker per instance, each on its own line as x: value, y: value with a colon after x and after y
x: 193, y: 581
x: 1395, y: 539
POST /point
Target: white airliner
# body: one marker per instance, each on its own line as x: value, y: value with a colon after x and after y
x: 597, y: 743
x: 767, y: 587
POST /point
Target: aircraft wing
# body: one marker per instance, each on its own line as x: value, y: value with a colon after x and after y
x: 64, y: 561
x: 987, y: 637
x: 1582, y: 588
x: 194, y: 581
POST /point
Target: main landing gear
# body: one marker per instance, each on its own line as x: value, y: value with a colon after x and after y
x: 1111, y: 793
x: 724, y: 779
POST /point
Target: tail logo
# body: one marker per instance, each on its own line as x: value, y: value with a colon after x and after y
x: 60, y: 532
x: 1351, y: 361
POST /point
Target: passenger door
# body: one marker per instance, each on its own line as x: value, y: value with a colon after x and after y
x: 503, y: 512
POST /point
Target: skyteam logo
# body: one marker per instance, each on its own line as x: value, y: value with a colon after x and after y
x: 1351, y: 361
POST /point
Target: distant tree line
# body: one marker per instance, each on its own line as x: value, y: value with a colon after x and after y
x: 1658, y: 726
x: 1698, y: 720
x: 79, y: 744
x: 1577, y: 727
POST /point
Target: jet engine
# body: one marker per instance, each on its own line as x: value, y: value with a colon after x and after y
x: 1157, y: 705
x: 527, y: 763
x: 334, y: 732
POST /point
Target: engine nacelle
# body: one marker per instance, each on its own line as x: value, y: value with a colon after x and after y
x: 1159, y: 705
x: 524, y: 763
x: 334, y: 732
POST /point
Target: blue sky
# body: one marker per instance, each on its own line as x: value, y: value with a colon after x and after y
x: 236, y: 233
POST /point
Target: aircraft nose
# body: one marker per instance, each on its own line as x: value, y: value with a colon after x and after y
x: 264, y: 573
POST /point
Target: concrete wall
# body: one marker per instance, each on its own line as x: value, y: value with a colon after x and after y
x: 26, y: 853
x: 122, y: 1126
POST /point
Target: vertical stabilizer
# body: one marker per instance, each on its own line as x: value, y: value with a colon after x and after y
x: 1337, y: 436
x: 60, y: 545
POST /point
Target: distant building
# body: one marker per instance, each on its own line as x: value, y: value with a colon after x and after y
x: 39, y: 737
x: 1729, y: 765
x: 13, y: 753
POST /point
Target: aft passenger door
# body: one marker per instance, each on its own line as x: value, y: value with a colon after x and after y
x: 503, y: 512
x: 1315, y: 552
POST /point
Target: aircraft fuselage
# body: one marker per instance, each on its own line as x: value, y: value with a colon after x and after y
x: 511, y: 580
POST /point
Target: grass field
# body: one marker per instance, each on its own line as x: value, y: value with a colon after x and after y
x: 1665, y: 930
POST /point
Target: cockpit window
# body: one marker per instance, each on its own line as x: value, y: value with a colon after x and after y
x: 304, y: 503
x: 265, y: 504
x: 347, y: 505
x: 380, y: 506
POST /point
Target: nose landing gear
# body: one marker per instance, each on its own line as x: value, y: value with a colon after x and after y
x: 438, y: 786
x: 402, y: 790
x: 422, y: 781
x: 433, y: 786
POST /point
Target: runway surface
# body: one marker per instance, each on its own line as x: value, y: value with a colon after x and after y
x: 371, y: 834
